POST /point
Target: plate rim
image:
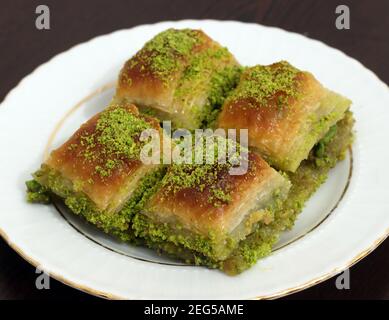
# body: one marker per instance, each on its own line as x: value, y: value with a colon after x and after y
x: 107, y: 295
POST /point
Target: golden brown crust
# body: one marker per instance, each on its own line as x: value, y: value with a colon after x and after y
x: 268, y: 121
x: 138, y: 83
x: 192, y: 207
x: 275, y: 122
x: 178, y: 74
x: 141, y: 83
x: 69, y: 159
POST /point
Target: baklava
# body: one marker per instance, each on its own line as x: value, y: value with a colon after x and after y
x: 204, y: 212
x: 236, y: 255
x: 98, y: 171
x: 207, y: 211
x: 286, y: 111
x: 179, y: 75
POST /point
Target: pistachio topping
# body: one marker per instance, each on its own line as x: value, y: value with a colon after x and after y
x: 219, y: 196
x: 116, y: 130
x: 203, y: 63
x: 262, y: 83
x: 221, y: 84
x: 164, y: 53
x: 114, y: 139
x: 208, y: 174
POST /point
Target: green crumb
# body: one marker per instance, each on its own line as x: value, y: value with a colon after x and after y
x: 102, y: 172
x: 205, y: 61
x: 204, y: 84
x: 125, y: 79
x: 164, y: 52
x: 208, y: 173
x: 264, y: 82
x: 221, y: 84
x: 116, y: 129
x: 219, y: 196
x: 72, y: 147
x: 158, y: 235
x: 36, y: 193
x: 319, y: 149
x: 114, y: 139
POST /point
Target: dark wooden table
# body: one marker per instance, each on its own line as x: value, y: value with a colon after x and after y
x: 23, y: 48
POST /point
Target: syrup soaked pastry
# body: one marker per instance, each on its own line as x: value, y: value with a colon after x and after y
x: 286, y: 112
x: 179, y: 75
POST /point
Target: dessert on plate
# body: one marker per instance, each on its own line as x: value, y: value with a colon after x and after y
x: 198, y: 211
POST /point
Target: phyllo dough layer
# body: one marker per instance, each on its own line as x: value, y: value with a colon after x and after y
x: 206, y: 209
x: 179, y: 75
x: 98, y: 170
x: 286, y: 112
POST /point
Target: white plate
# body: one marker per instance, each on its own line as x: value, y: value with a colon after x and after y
x: 344, y: 221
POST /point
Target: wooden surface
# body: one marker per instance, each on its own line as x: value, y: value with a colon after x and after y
x: 23, y: 48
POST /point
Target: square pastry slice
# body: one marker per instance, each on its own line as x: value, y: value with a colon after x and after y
x: 179, y: 75
x: 286, y: 111
x: 208, y: 210
x: 98, y: 171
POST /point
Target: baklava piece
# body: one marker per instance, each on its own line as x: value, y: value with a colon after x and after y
x: 286, y: 112
x: 202, y: 210
x: 179, y: 75
x: 311, y: 173
x: 98, y: 171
